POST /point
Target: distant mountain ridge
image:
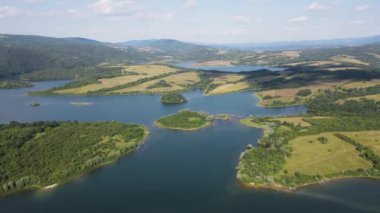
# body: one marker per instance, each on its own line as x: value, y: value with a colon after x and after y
x: 27, y: 53
x: 83, y: 40
x: 306, y: 44
x: 173, y: 45
x: 179, y: 50
x: 164, y: 45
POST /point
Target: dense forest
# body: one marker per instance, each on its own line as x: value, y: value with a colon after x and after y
x: 173, y: 98
x: 327, y: 103
x: 22, y: 54
x: 86, y: 74
x: 185, y: 120
x: 39, y: 154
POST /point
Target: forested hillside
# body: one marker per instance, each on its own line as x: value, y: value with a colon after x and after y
x: 22, y: 54
x: 178, y: 50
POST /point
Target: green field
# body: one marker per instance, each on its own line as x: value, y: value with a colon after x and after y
x: 367, y: 138
x: 292, y: 154
x: 311, y: 157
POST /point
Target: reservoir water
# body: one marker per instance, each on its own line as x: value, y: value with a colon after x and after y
x: 174, y: 171
x: 232, y: 68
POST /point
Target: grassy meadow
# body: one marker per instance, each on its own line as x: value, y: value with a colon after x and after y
x: 370, y: 139
x: 312, y: 157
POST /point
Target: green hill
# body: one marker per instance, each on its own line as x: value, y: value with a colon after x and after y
x: 22, y: 53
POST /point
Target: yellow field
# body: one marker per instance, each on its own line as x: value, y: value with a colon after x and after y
x: 367, y: 138
x: 229, y: 88
x: 298, y: 120
x: 183, y: 78
x: 334, y: 69
x: 323, y: 63
x: 375, y: 97
x: 361, y: 84
x: 144, y: 88
x: 315, y: 158
x: 140, y: 72
x: 227, y: 78
x: 177, y: 82
x: 227, y: 83
x: 289, y: 95
x: 348, y: 59
x: 150, y: 69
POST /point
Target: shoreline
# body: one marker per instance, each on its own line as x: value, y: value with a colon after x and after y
x: 50, y: 187
x: 210, y: 123
x: 223, y: 117
x: 267, y: 130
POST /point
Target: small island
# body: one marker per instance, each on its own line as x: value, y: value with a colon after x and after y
x: 35, y: 104
x: 42, y: 155
x: 185, y: 120
x: 173, y: 98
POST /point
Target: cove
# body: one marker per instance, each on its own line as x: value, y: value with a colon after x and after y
x: 174, y: 171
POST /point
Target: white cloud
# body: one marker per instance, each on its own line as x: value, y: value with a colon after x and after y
x: 49, y: 13
x: 240, y: 18
x: 190, y: 4
x: 33, y: 1
x: 7, y: 11
x: 120, y: 9
x: 298, y: 19
x: 74, y: 13
x: 155, y: 16
x: 258, y: 1
x: 292, y: 29
x: 112, y: 7
x: 362, y: 8
x: 236, y: 32
x: 357, y: 22
x: 318, y: 6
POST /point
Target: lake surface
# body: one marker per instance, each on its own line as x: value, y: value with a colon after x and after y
x: 233, y: 68
x: 174, y: 171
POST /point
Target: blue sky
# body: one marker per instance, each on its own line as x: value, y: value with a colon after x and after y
x: 208, y: 21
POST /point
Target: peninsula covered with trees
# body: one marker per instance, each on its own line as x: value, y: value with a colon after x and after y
x: 57, y: 152
x: 339, y: 137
